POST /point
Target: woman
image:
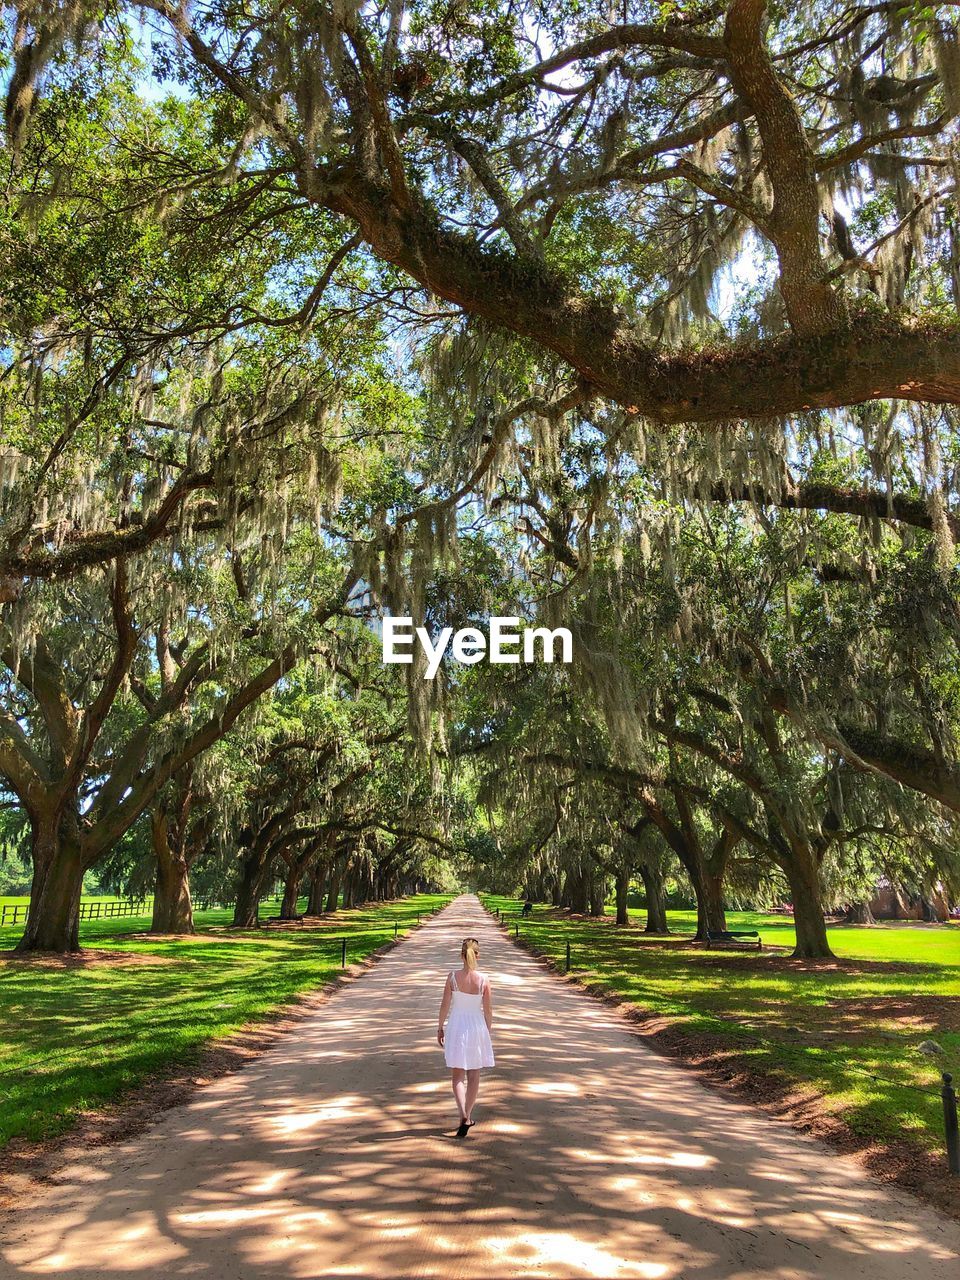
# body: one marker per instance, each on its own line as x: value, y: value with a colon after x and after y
x: 466, y: 1044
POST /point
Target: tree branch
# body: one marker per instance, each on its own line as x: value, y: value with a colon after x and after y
x: 812, y: 305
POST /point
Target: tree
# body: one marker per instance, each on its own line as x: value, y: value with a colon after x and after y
x: 180, y: 828
x: 93, y: 761
x: 743, y: 496
x: 145, y: 371
x: 746, y: 124
x: 166, y: 416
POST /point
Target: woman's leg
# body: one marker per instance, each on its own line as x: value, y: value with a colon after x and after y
x: 460, y: 1089
x: 473, y: 1088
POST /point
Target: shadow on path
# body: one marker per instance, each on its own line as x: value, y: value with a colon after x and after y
x: 334, y: 1155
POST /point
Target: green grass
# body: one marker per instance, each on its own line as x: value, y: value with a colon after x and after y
x: 849, y: 1031
x: 72, y: 1038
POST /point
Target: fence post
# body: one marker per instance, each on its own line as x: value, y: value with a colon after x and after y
x: 516, y: 931
x: 343, y: 953
x: 949, y: 1095
x: 395, y: 928
x: 567, y: 970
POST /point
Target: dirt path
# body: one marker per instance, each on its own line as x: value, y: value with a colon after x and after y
x: 333, y: 1156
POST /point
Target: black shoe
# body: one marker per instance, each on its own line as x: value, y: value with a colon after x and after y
x: 463, y: 1130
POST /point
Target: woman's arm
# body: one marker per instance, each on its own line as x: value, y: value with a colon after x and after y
x: 444, y: 1010
x: 487, y: 1004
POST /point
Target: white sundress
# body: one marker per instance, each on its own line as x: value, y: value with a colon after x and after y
x: 466, y: 1041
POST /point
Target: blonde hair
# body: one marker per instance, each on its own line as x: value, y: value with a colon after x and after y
x: 469, y: 951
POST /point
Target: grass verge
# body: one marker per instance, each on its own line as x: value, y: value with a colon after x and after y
x: 81, y: 1031
x: 846, y: 1033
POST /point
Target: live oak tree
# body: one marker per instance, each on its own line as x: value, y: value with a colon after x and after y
x: 183, y: 822
x: 651, y: 867
x: 86, y: 755
x: 118, y: 678
x: 489, y: 169
x: 174, y: 438
x: 673, y: 620
x: 646, y: 270
x: 318, y: 796
x: 489, y: 156
x: 124, y: 339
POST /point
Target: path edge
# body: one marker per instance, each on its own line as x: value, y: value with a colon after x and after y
x: 26, y: 1164
x: 889, y: 1164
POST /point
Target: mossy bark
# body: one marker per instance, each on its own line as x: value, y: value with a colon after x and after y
x: 318, y: 884
x: 253, y: 874
x: 53, y: 923
x: 803, y: 875
x: 623, y: 889
x: 653, y: 892
x: 172, y: 904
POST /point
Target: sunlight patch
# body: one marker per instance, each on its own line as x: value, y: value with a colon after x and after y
x: 542, y: 1248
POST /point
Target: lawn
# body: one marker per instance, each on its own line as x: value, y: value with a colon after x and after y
x: 75, y: 1035
x: 849, y: 1031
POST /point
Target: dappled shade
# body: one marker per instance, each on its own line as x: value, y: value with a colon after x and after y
x: 334, y: 1155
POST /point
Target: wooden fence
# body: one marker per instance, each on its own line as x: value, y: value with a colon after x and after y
x: 92, y: 909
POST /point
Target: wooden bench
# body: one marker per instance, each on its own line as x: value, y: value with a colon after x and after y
x: 284, y: 920
x: 734, y: 938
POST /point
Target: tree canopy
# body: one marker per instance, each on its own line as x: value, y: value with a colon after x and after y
x: 639, y: 319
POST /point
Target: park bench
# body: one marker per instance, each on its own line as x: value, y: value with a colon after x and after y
x: 284, y: 920
x: 734, y: 938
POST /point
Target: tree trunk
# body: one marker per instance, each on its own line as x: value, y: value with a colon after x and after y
x: 930, y: 911
x: 172, y: 907
x: 706, y: 887
x: 623, y: 888
x: 246, y: 914
x: 291, y: 893
x: 318, y: 884
x: 714, y: 909
x: 349, y: 890
x: 564, y: 893
x: 811, y: 928
x: 711, y: 917
x: 54, y: 920
x: 333, y: 893
x: 598, y: 883
x: 578, y: 896
x: 653, y: 892
x: 366, y: 889
x: 859, y: 913
x: 577, y: 890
